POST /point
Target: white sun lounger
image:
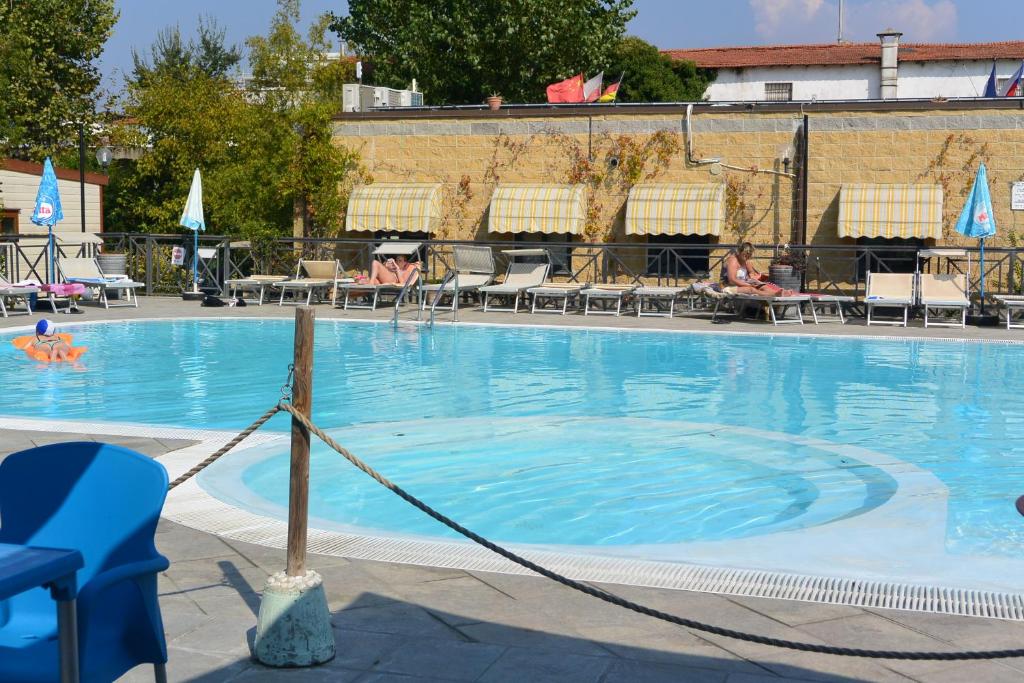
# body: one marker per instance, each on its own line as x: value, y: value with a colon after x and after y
x: 371, y: 293
x: 819, y: 304
x: 654, y: 296
x: 474, y: 268
x: 555, y: 297
x: 1013, y: 303
x: 944, y: 292
x: 15, y: 292
x: 86, y: 271
x: 311, y: 277
x: 776, y: 306
x: 254, y: 283
x: 889, y: 290
x: 518, y: 278
x: 603, y: 295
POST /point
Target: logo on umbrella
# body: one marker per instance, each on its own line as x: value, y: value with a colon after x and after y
x: 45, y: 210
x: 981, y: 216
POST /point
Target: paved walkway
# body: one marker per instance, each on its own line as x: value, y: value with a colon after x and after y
x: 404, y: 623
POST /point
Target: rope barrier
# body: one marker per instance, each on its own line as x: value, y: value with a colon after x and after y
x: 582, y: 587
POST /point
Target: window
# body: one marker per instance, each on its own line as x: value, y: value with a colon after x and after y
x: 561, y: 257
x: 672, y: 258
x: 1001, y: 84
x: 885, y: 259
x: 778, y: 92
x: 8, y: 221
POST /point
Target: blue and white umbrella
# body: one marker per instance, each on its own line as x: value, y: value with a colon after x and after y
x: 978, y: 220
x: 48, y: 210
x: 192, y: 218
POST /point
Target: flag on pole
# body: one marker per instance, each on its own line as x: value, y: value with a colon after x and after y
x: 990, y: 85
x: 592, y: 88
x: 569, y: 90
x: 611, y: 92
x: 1014, y: 87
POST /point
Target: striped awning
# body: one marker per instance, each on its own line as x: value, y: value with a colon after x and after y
x: 549, y: 209
x: 394, y: 207
x: 890, y: 211
x: 675, y: 209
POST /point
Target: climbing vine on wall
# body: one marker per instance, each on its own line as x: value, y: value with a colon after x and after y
x: 954, y: 168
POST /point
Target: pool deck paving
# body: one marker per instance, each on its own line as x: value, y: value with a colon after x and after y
x: 395, y: 622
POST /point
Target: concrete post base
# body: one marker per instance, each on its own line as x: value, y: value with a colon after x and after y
x: 294, y: 626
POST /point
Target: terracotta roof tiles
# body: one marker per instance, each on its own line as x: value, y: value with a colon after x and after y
x: 844, y: 54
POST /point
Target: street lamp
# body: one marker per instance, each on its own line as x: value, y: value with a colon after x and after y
x: 104, y: 155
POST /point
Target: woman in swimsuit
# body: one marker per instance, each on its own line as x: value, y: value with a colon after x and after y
x: 396, y: 271
x: 48, y: 341
x: 739, y: 273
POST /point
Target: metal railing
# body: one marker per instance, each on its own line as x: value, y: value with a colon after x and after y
x: 824, y: 268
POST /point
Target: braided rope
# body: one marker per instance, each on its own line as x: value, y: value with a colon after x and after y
x: 231, y: 444
x: 627, y: 604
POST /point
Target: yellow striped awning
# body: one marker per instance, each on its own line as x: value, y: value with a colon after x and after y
x: 867, y: 210
x: 549, y: 209
x: 394, y: 207
x: 675, y: 209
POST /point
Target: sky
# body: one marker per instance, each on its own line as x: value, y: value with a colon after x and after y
x: 665, y: 23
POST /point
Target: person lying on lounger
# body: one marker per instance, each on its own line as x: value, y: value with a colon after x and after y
x: 739, y: 273
x: 394, y: 271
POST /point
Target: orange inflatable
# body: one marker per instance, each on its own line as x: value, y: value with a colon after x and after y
x: 27, y: 344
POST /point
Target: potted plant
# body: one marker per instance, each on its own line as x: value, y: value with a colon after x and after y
x: 494, y: 101
x: 786, y: 269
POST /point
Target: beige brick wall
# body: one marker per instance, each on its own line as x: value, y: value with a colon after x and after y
x: 936, y: 147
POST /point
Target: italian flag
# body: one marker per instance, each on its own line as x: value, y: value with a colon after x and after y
x: 611, y: 92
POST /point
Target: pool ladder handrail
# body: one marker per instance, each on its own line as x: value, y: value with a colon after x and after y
x: 401, y: 297
x: 452, y: 275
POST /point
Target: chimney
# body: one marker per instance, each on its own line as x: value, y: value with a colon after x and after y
x: 890, y: 47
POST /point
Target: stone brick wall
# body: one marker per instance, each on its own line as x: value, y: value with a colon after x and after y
x: 469, y: 152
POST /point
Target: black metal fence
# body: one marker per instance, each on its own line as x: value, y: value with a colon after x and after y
x: 838, y: 269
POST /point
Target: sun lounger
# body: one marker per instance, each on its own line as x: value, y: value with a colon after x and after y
x: 657, y: 298
x: 1013, y: 303
x: 474, y: 268
x: 776, y: 306
x: 69, y: 292
x: 254, y: 283
x: 518, y: 279
x: 604, y: 295
x: 86, y: 271
x: 22, y: 290
x: 889, y: 290
x: 366, y: 295
x: 311, y: 277
x: 944, y: 292
x: 819, y: 303
x: 553, y: 297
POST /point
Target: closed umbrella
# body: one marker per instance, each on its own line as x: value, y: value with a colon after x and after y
x: 192, y: 218
x: 48, y: 210
x: 978, y: 220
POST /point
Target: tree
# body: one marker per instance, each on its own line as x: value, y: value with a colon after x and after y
x: 461, y: 51
x: 170, y: 55
x: 653, y: 77
x: 48, y: 76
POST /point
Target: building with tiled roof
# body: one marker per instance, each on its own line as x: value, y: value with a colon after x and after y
x: 854, y: 71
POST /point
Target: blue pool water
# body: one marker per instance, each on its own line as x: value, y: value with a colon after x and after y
x: 577, y: 437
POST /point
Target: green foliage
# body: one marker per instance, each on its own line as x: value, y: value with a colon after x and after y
x: 461, y: 50
x: 262, y: 150
x: 48, y: 78
x: 653, y: 77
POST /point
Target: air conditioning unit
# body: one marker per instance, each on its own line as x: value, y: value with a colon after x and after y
x: 356, y: 97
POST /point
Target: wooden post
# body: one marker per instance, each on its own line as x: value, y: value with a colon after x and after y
x: 298, y: 483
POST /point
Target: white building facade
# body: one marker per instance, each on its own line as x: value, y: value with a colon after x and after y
x: 854, y: 71
x: 19, y: 183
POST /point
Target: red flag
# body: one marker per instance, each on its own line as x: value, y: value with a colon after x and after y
x: 1013, y: 86
x: 610, y: 93
x: 569, y: 90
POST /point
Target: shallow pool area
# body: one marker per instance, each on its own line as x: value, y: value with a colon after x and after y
x: 648, y: 444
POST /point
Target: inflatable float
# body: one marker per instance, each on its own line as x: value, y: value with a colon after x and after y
x: 44, y: 328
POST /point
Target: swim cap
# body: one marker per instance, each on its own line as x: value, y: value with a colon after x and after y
x: 45, y: 328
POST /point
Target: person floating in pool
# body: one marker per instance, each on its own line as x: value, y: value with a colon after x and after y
x: 739, y: 273
x: 394, y: 271
x: 49, y: 342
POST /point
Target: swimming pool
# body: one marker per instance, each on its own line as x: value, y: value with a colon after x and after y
x: 580, y: 438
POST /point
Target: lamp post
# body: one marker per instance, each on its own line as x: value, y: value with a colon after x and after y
x: 81, y: 170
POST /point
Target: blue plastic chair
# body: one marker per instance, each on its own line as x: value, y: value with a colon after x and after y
x: 104, y: 501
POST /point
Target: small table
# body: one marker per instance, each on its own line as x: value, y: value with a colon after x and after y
x: 25, y: 567
x: 553, y: 294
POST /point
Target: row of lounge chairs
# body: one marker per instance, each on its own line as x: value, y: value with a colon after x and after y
x: 76, y: 275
